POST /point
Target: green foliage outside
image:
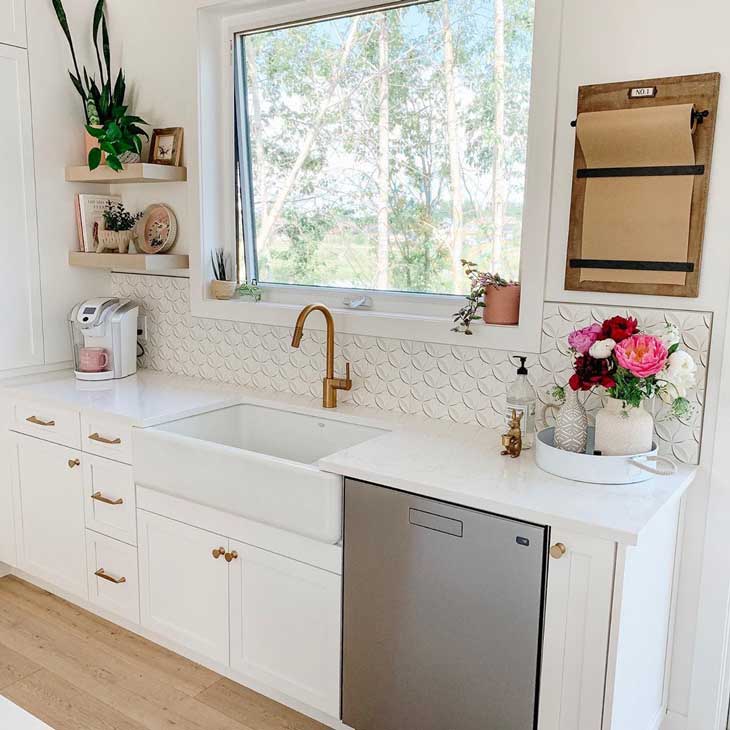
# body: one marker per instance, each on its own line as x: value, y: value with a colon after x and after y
x: 347, y: 114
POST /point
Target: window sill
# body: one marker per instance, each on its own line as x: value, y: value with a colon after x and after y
x: 419, y: 328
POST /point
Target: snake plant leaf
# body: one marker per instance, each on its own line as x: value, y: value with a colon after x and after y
x: 107, y: 50
x: 94, y: 158
x: 98, y: 15
x: 77, y: 84
x: 120, y: 88
x: 134, y: 129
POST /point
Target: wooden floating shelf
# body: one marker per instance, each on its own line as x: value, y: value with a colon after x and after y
x: 139, y: 172
x: 129, y: 261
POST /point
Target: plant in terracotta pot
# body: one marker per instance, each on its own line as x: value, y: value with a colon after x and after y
x: 632, y: 367
x: 118, y: 230
x: 222, y: 286
x: 112, y: 135
x: 498, y: 297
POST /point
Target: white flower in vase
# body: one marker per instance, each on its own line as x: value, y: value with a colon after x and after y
x: 601, y: 349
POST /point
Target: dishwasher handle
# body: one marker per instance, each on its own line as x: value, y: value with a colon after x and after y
x: 435, y: 522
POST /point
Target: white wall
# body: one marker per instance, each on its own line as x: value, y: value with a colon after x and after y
x: 58, y: 141
x: 601, y: 42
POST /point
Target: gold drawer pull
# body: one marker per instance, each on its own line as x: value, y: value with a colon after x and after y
x: 101, y: 574
x: 558, y: 550
x: 73, y: 462
x: 102, y: 440
x: 37, y: 421
x: 231, y: 556
x: 219, y: 552
x: 99, y: 497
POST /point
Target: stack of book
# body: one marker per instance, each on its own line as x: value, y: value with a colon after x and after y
x: 89, y: 218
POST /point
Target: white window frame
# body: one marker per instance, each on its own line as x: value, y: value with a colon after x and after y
x: 408, y: 316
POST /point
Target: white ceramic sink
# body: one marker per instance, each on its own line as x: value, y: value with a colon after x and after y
x: 252, y: 461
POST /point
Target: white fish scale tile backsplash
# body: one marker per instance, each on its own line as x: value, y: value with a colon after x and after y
x: 462, y: 384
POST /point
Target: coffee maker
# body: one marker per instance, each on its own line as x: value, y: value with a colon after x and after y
x: 104, y: 338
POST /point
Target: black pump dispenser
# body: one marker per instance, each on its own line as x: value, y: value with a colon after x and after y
x: 521, y: 370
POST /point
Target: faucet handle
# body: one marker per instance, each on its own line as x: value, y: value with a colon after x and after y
x: 347, y: 372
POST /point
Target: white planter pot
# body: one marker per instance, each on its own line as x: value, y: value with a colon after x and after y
x: 623, y: 430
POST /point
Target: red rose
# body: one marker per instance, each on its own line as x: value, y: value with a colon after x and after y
x: 618, y: 328
x: 590, y: 372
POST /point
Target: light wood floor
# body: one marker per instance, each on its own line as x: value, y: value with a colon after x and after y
x: 75, y: 671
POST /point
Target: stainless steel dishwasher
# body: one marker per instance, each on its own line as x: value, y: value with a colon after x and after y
x: 443, y: 611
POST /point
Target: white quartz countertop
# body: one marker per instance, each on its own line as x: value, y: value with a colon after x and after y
x: 455, y: 463
x: 467, y: 469
x: 145, y: 399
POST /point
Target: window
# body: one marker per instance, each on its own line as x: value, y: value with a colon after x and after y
x: 377, y: 150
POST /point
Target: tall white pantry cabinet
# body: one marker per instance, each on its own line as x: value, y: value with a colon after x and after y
x: 20, y: 287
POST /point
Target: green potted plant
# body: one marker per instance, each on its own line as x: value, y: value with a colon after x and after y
x: 222, y: 286
x: 118, y: 230
x: 112, y: 135
x: 498, y: 297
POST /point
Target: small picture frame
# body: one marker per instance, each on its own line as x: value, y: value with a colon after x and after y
x: 166, y: 146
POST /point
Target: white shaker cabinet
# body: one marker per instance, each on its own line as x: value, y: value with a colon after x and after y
x: 20, y: 291
x: 12, y: 23
x: 577, y: 622
x: 184, y: 585
x: 49, y: 513
x: 285, y: 625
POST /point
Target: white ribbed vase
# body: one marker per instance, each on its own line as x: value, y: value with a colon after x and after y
x: 622, y: 430
x: 571, y: 424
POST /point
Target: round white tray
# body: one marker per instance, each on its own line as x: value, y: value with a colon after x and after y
x: 598, y: 469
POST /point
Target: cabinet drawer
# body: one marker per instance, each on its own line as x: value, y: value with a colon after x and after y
x: 107, y: 436
x: 109, y: 499
x: 113, y: 575
x: 49, y: 422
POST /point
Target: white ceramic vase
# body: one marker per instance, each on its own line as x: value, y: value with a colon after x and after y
x: 571, y: 424
x: 623, y: 430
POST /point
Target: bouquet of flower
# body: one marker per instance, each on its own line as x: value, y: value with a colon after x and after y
x: 632, y: 365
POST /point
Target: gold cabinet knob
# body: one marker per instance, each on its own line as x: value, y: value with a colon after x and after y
x: 73, y: 462
x: 231, y: 556
x: 558, y: 550
x: 219, y: 552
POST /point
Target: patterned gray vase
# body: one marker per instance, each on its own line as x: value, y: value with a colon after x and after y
x: 571, y: 424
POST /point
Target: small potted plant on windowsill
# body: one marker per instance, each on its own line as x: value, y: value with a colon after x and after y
x: 118, y: 228
x: 496, y: 296
x: 222, y: 287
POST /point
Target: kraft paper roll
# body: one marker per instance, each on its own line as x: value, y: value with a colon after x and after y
x: 637, y: 218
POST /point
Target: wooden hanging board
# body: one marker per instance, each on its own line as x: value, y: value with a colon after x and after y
x: 675, y: 195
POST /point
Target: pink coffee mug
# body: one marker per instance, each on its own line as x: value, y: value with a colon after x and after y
x: 93, y: 359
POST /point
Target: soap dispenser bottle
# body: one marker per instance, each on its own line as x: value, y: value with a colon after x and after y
x: 521, y: 397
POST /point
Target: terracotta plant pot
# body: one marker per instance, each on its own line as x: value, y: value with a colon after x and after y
x: 223, y: 289
x: 502, y: 304
x: 89, y: 144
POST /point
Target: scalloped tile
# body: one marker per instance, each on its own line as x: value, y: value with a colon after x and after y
x: 463, y: 384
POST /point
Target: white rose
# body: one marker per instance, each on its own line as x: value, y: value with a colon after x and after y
x: 601, y: 349
x: 669, y: 335
x: 678, y: 375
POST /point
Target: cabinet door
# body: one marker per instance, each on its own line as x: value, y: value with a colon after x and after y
x: 20, y: 296
x: 12, y: 22
x: 7, y: 513
x: 575, y: 646
x: 183, y: 587
x: 285, y: 626
x: 49, y: 509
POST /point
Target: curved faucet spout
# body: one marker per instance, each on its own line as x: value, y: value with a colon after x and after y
x: 330, y: 384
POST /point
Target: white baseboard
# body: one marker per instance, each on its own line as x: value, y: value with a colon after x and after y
x: 4, y: 570
x: 674, y: 721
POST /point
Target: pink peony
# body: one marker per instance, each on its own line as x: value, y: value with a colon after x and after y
x: 582, y: 339
x: 641, y: 355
